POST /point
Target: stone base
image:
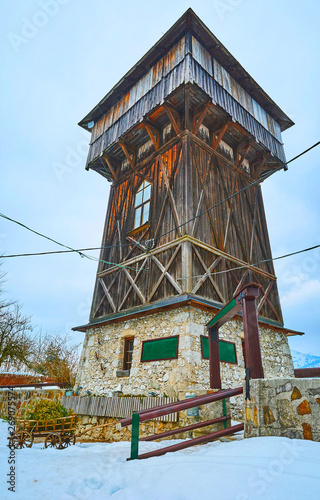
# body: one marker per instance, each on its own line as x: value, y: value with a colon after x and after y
x: 102, y: 356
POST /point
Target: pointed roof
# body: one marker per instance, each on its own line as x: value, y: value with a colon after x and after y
x: 189, y: 21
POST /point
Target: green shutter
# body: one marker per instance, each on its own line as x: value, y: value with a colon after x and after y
x: 153, y: 350
x: 205, y: 347
x: 227, y: 350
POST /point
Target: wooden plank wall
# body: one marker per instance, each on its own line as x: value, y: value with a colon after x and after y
x: 101, y: 406
x: 187, y: 179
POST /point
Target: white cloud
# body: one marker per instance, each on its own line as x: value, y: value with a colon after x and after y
x: 299, y: 295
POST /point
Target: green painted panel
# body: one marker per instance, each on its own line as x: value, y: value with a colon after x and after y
x: 205, y: 347
x: 223, y: 312
x: 153, y: 350
x: 227, y: 351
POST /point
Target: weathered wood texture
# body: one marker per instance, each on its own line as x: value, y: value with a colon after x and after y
x: 187, y: 178
x: 102, y: 406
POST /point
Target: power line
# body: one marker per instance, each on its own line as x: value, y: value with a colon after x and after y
x: 80, y: 251
x: 60, y: 251
x: 70, y: 249
x: 258, y: 181
x: 250, y: 265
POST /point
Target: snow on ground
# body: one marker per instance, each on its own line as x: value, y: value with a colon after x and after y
x: 266, y: 468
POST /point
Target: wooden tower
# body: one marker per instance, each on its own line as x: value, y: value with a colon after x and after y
x: 182, y: 131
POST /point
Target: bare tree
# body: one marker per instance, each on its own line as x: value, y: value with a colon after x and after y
x: 56, y: 358
x: 16, y: 344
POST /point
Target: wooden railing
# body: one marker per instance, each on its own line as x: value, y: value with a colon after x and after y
x: 307, y: 372
x: 160, y: 411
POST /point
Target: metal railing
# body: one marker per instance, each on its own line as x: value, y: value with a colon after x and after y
x: 159, y: 411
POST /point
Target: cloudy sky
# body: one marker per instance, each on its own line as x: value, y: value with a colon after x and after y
x: 59, y: 58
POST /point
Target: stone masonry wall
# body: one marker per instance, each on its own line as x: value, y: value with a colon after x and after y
x: 102, y: 356
x: 113, y: 431
x: 287, y: 407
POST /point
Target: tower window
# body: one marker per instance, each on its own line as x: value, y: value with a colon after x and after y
x: 128, y: 351
x: 142, y: 204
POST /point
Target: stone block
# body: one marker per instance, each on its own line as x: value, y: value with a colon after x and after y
x: 315, y: 391
x: 307, y: 431
x: 284, y: 388
x: 296, y: 394
x: 287, y: 417
x: 304, y: 408
x: 268, y: 416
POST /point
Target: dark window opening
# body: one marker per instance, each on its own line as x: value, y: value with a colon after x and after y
x: 128, y: 351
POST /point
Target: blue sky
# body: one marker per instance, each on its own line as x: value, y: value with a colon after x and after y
x: 59, y: 58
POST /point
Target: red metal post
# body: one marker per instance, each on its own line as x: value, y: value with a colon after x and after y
x: 214, y: 358
x: 251, y: 332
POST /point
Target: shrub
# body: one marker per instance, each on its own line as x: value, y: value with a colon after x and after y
x: 46, y: 409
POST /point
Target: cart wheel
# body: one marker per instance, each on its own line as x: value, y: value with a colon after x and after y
x: 67, y: 440
x: 21, y: 439
x: 53, y: 440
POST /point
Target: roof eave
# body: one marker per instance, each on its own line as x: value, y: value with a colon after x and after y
x: 189, y: 20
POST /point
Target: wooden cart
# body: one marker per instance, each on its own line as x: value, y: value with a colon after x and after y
x: 58, y: 433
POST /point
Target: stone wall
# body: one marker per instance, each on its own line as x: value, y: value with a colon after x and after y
x: 22, y: 397
x: 287, y: 407
x: 112, y: 430
x: 102, y: 356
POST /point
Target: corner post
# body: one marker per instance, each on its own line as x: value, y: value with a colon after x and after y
x: 251, y: 332
x: 214, y: 358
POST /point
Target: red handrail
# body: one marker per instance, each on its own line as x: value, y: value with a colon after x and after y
x: 193, y: 442
x: 156, y: 412
x: 179, y: 430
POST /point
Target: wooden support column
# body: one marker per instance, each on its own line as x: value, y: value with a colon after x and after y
x: 187, y: 120
x: 251, y: 332
x: 186, y: 266
x: 214, y: 358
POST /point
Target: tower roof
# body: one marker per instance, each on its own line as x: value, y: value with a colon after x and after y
x: 188, y: 22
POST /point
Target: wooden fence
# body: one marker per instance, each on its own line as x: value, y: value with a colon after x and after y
x: 117, y: 407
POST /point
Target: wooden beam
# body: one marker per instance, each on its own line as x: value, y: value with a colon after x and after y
x: 125, y: 148
x: 107, y: 294
x: 241, y: 283
x: 134, y: 286
x: 260, y: 167
x: 251, y: 331
x: 173, y: 116
x: 214, y: 359
x: 208, y: 271
x: 171, y: 198
x: 216, y: 141
x: 156, y: 286
x: 199, y: 116
x: 198, y: 243
x: 244, y: 154
x: 154, y: 134
x: 115, y: 172
x: 134, y: 282
x: 264, y: 298
x: 159, y: 265
x: 187, y: 124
